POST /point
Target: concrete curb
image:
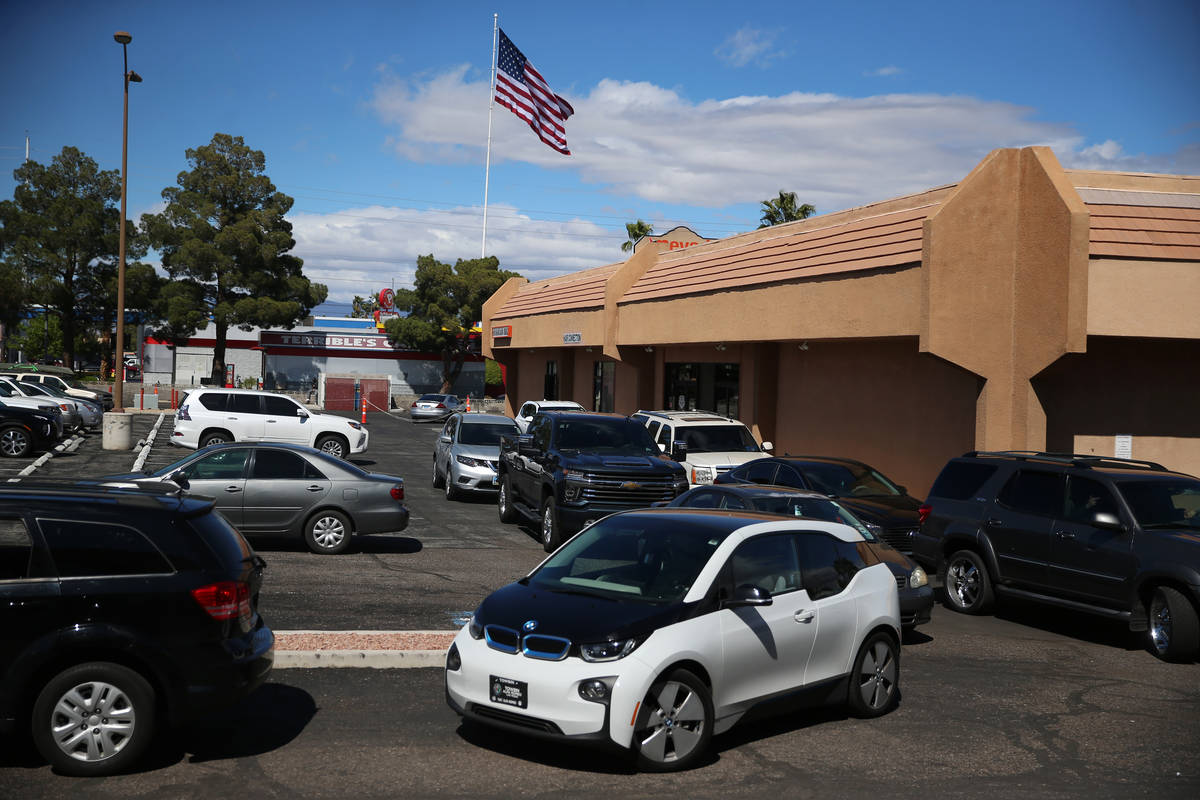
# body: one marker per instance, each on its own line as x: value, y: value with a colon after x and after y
x: 370, y: 659
x: 65, y: 446
x: 140, y: 461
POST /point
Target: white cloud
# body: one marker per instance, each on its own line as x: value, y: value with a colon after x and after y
x: 749, y: 45
x: 883, y: 72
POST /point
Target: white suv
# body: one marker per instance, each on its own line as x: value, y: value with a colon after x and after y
x: 210, y: 416
x: 531, y: 407
x: 715, y: 444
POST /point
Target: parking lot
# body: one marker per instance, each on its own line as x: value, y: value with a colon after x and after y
x: 1031, y: 702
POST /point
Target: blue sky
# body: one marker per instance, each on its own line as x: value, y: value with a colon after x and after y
x: 373, y: 115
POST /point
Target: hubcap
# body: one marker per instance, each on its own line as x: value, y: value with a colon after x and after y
x: 93, y: 721
x: 1160, y: 625
x: 675, y: 723
x: 329, y: 532
x: 963, y: 583
x: 547, y: 525
x: 877, y: 680
x: 502, y: 500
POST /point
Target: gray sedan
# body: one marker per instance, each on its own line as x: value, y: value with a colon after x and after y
x: 435, y: 406
x: 289, y: 490
x: 465, y: 456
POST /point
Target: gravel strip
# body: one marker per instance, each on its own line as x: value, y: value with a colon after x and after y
x: 364, y: 640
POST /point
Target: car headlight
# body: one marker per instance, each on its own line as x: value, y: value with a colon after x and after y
x: 355, y: 425
x: 607, y: 651
x: 468, y: 461
x: 917, y: 578
x: 702, y: 475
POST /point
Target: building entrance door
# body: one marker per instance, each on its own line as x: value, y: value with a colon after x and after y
x: 702, y: 387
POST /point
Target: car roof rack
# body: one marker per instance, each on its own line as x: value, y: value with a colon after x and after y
x: 1073, y: 459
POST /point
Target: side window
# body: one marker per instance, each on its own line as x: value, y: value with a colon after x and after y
x: 214, y: 401
x: 93, y: 549
x: 1086, y: 498
x: 243, y: 404
x: 789, y: 476
x: 1034, y: 492
x: 279, y: 406
x: 768, y: 562
x: 704, y: 499
x: 16, y: 549
x: 732, y: 501
x: 819, y: 559
x: 540, y: 428
x: 224, y: 465
x: 664, y: 437
x: 526, y: 410
x: 761, y: 471
x: 277, y: 464
x: 652, y: 429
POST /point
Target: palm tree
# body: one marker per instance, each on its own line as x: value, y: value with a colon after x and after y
x: 784, y: 209
x: 636, y: 230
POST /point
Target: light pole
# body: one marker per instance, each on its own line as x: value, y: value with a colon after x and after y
x: 122, y: 38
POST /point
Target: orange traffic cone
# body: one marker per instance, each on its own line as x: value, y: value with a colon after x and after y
x: 468, y: 404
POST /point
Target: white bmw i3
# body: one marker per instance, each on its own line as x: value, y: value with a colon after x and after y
x: 653, y: 630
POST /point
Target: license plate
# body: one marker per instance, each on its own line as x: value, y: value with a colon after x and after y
x: 508, y: 692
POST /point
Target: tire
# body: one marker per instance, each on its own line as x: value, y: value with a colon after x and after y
x: 1173, y: 632
x: 15, y: 442
x: 437, y: 476
x: 327, y: 533
x: 966, y: 583
x: 452, y: 492
x: 508, y: 514
x: 551, y: 532
x: 875, y: 680
x: 215, y: 437
x: 334, y: 445
x: 94, y: 719
x: 674, y: 724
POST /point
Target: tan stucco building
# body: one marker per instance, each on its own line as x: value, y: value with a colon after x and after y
x: 1027, y: 307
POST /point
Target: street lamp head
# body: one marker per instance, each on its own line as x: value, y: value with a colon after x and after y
x: 134, y: 77
x: 122, y: 37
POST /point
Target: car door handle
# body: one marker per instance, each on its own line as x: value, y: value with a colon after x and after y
x: 996, y: 523
x: 1064, y: 534
x: 315, y: 488
x: 234, y: 489
x: 804, y: 616
x: 271, y: 421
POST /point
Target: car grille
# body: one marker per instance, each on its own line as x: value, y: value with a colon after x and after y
x: 500, y: 715
x: 626, y: 490
x: 899, y: 538
x: 535, y: 645
x: 901, y: 581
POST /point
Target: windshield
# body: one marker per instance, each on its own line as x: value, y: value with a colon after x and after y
x: 633, y: 558
x: 486, y: 433
x: 606, y: 436
x: 717, y: 439
x: 1172, y: 503
x: 843, y: 481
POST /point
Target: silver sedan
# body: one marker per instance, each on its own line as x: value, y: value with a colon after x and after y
x: 465, y: 456
x: 292, y: 490
x: 435, y: 406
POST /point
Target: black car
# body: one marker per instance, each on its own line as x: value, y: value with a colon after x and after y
x: 1109, y: 536
x: 23, y: 430
x: 916, y: 595
x: 885, y: 507
x: 118, y: 606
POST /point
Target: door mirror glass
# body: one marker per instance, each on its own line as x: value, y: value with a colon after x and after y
x: 749, y: 595
x: 768, y: 447
x: 679, y: 450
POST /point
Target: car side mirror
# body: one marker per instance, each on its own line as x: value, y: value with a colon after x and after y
x: 679, y: 451
x: 180, y: 479
x: 444, y: 439
x: 662, y: 447
x: 302, y: 413
x: 768, y: 447
x: 1108, y: 521
x: 748, y: 595
x: 525, y: 443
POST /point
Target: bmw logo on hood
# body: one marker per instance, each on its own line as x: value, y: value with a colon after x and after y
x: 530, y: 626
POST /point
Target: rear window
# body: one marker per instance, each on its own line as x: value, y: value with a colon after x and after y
x: 960, y: 480
x: 230, y: 547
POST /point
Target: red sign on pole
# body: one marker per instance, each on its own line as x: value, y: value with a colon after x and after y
x: 387, y: 298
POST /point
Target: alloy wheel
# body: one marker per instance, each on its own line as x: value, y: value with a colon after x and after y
x: 963, y: 583
x: 13, y: 443
x: 675, y: 726
x: 877, y: 678
x: 1160, y: 625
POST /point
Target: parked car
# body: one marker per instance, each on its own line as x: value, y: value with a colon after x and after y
x: 715, y: 444
x: 118, y: 608
x: 530, y: 408
x: 14, y: 399
x: 654, y: 630
x: 912, y: 583
x: 212, y: 416
x: 289, y: 490
x: 24, y: 430
x: 467, y: 451
x: 72, y: 386
x: 1109, y: 536
x: 884, y: 506
x: 435, y: 406
x: 29, y: 395
x: 572, y: 468
x: 91, y: 413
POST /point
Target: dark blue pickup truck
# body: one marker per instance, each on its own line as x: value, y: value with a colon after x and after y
x: 572, y: 468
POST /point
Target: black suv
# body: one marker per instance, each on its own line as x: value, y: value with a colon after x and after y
x: 118, y: 607
x: 1109, y: 536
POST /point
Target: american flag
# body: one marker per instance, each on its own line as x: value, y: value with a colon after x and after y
x: 522, y: 90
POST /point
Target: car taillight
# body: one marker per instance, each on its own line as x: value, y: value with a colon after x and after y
x: 224, y: 600
x: 441, y: 405
x: 923, y: 513
x: 183, y: 413
x: 398, y: 492
x: 414, y: 405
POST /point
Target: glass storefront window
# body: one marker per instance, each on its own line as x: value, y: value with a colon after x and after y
x: 603, y: 378
x: 550, y: 384
x: 702, y: 387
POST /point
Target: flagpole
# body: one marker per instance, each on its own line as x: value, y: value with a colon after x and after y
x: 487, y: 170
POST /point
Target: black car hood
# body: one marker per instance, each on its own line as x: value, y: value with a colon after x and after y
x: 580, y: 618
x: 616, y: 463
x: 889, y: 511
